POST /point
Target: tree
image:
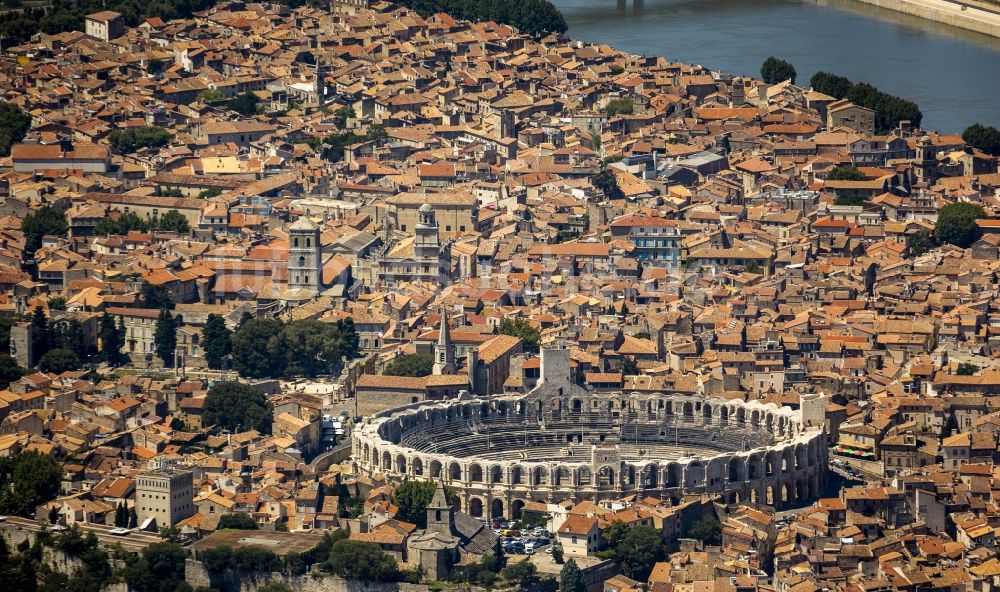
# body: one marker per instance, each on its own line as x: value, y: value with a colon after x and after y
x: 365, y: 562
x: 40, y: 335
x: 981, y: 137
x: 245, y: 104
x: 410, y: 365
x: 119, y: 224
x: 533, y: 17
x: 967, y: 369
x: 310, y: 348
x: 707, y: 529
x: 160, y: 568
x: 640, y: 549
x: 44, y: 221
x: 9, y: 370
x: 629, y: 367
x: 956, y: 224
x: 919, y: 243
x: 29, y: 479
x: 251, y: 357
x: 238, y: 520
x: 57, y: 361
x: 412, y: 498
x: 112, y: 341
x: 156, y: 296
x: 171, y: 534
x: 557, y: 554
x: 570, y: 577
x: 133, y: 518
x: 121, y: 515
x: 845, y: 173
x: 619, y: 107
x: 57, y: 303
x: 154, y: 66
x: 521, y: 573
x: 174, y: 221
x: 376, y: 133
x: 14, y: 124
x: 341, y: 115
x: 773, y: 71
x: 127, y: 141
x: 238, y: 407
x: 210, y: 95
x: 216, y: 339
x: 522, y: 328
x: 607, y: 183
x: 830, y: 84
x: 165, y: 337
x: 614, y: 534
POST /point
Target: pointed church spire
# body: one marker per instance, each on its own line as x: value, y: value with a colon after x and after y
x: 444, y: 351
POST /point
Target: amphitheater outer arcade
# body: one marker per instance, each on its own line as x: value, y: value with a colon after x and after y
x: 561, y: 442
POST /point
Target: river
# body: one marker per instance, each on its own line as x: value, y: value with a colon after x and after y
x: 952, y: 74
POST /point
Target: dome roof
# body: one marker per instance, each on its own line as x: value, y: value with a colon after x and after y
x: 303, y: 224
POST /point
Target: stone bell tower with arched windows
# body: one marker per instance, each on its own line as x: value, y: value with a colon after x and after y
x: 305, y: 266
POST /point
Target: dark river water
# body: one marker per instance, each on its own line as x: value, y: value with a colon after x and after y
x: 952, y: 74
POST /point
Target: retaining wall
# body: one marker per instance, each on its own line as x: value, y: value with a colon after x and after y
x: 946, y: 12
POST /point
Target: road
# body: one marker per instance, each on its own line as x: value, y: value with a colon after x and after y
x: 135, y: 541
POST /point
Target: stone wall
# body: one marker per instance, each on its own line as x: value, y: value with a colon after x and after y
x: 196, y: 575
x: 948, y: 12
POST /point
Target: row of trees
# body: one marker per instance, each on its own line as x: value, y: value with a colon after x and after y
x: 534, y: 17
x: 889, y: 109
x: 14, y: 124
x: 127, y: 141
x: 271, y: 348
x: 985, y: 138
x: 171, y: 221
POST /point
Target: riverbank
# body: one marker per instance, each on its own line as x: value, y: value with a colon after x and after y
x: 957, y: 14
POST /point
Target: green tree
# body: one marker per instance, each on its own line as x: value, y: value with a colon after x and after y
x: 57, y: 361
x: 160, y: 568
x: 522, y: 573
x: 613, y: 535
x: 845, y: 173
x: 956, y: 224
x: 121, y: 515
x: 154, y: 66
x: 707, y: 529
x: 773, y: 71
x: 29, y: 480
x: 44, y: 221
x: 619, y: 107
x: 170, y: 534
x: 967, y: 369
x: 341, y: 115
x: 216, y: 339
x: 238, y: 520
x: 571, y: 577
x: 412, y: 499
x: 57, y: 303
x: 245, y: 104
x: 133, y: 518
x: 174, y: 221
x: 557, y: 554
x: 127, y: 141
x: 629, y: 367
x: 112, y: 341
x: 156, y: 296
x: 640, y: 549
x: 359, y: 561
x: 251, y: 356
x: 310, y: 348
x: 522, y: 328
x: 376, y: 133
x: 830, y: 84
x: 14, y: 124
x: 9, y: 370
x: 919, y: 243
x: 41, y: 337
x: 607, y: 183
x: 165, y: 337
x: 121, y: 224
x: 410, y: 365
x: 981, y: 137
x: 210, y: 95
x: 238, y: 407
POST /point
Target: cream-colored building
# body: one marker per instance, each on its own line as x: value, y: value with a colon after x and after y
x: 165, y: 495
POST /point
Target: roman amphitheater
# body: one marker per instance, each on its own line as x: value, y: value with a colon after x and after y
x: 561, y: 442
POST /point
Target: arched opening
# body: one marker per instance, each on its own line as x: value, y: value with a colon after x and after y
x: 585, y: 477
x: 418, y: 467
x: 435, y: 469
x: 540, y: 476
x: 387, y: 461
x: 753, y: 472
x: 694, y: 476
x: 401, y: 464
x: 496, y: 474
x: 517, y: 475
x: 649, y: 476
x: 688, y: 411
x: 496, y: 509
x: 577, y: 405
x: 476, y: 507
x: 476, y: 474
x: 455, y: 471
x: 784, y: 494
x: 516, y: 509
x: 563, y: 477
x: 673, y: 478
x: 606, y: 478
x: 769, y: 495
x: 734, y: 471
